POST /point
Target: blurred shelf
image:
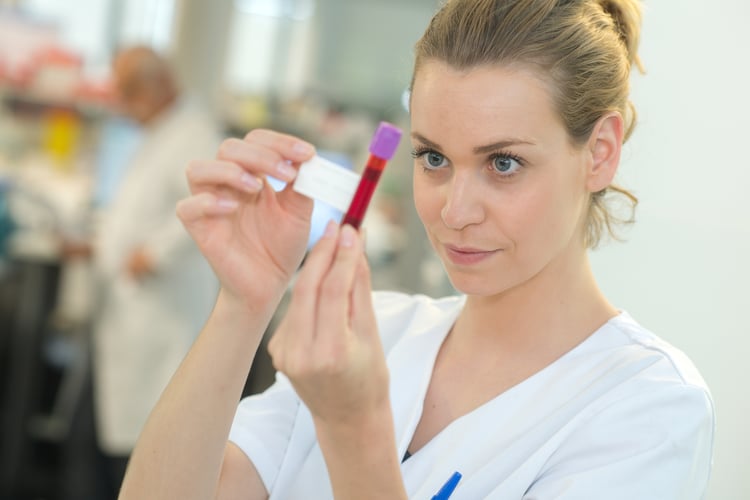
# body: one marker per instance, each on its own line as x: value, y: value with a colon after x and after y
x: 34, y: 102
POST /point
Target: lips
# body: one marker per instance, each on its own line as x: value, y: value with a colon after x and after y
x: 467, y: 255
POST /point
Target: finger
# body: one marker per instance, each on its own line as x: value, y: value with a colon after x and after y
x: 264, y: 152
x: 207, y: 174
x: 256, y: 159
x: 334, y: 304
x: 303, y: 305
x: 297, y: 202
x: 363, y: 312
x: 276, y: 348
x: 290, y: 147
x: 194, y: 208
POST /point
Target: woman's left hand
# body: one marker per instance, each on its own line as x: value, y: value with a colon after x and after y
x: 328, y: 343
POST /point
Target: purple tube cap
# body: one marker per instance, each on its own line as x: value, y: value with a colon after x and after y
x: 385, y: 141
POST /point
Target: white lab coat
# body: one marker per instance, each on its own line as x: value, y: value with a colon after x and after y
x: 623, y: 415
x: 144, y: 328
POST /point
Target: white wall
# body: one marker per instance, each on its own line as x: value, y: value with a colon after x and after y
x: 684, y: 270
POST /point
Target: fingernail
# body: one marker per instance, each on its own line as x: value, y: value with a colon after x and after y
x: 302, y: 148
x: 251, y: 182
x: 348, y: 234
x: 330, y: 231
x: 286, y: 171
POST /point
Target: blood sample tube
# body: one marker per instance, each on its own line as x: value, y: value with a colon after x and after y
x: 382, y: 147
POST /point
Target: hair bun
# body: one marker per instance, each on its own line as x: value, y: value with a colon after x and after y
x: 627, y: 17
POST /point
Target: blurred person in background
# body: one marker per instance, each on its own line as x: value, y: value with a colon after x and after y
x: 155, y: 288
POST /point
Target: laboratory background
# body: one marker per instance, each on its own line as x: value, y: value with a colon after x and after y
x: 329, y: 71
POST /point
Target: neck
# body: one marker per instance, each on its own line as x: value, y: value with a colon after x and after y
x: 557, y: 309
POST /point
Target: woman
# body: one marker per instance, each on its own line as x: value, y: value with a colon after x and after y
x: 530, y: 384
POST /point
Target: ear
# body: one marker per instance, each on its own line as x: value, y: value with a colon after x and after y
x: 605, y: 145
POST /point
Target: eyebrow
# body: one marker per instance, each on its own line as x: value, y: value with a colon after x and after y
x: 487, y: 148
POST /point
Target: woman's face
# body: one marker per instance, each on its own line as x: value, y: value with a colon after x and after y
x: 498, y: 184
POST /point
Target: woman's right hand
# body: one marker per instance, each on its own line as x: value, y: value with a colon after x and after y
x: 253, y: 237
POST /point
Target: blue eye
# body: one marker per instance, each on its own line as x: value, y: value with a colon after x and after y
x: 430, y: 159
x: 434, y: 159
x: 505, y: 164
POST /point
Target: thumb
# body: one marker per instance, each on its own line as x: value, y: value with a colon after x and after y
x: 295, y: 202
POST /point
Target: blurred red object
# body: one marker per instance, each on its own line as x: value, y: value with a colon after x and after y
x: 54, y: 55
x: 96, y: 91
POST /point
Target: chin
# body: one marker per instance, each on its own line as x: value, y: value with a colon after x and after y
x: 478, y: 285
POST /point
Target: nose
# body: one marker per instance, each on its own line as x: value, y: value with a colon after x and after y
x: 463, y: 202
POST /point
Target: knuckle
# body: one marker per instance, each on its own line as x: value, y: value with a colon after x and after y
x: 278, y: 365
x: 332, y: 288
x: 299, y: 365
x: 273, y: 341
x: 179, y: 210
x: 255, y: 134
x: 226, y: 148
x: 304, y: 288
x: 191, y: 171
x: 274, y: 351
x: 206, y: 200
x: 363, y: 271
x: 331, y: 363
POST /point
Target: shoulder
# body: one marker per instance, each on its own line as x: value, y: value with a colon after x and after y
x: 663, y: 406
x: 627, y: 378
x: 400, y: 314
x: 636, y: 366
x: 643, y: 411
x: 672, y: 365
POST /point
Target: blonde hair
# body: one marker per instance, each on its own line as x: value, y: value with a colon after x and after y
x: 584, y: 48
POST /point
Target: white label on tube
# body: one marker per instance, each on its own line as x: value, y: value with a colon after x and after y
x: 328, y: 182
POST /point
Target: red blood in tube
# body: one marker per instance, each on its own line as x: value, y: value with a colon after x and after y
x: 362, y: 196
x: 383, y: 146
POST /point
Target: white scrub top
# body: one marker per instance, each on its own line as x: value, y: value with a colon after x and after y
x: 623, y: 415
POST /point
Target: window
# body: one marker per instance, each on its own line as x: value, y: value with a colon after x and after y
x: 270, y: 46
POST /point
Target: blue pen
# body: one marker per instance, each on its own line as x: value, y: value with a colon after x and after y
x: 447, y: 490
